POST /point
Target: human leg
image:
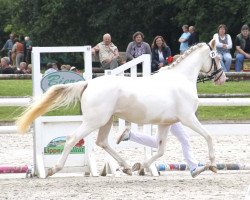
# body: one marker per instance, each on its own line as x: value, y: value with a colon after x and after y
x: 137, y: 137
x: 228, y: 60
x: 239, y: 61
x: 113, y: 64
x: 178, y: 131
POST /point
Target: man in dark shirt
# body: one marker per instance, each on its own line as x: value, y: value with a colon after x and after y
x: 5, y: 65
x: 194, y: 37
x: 242, y: 44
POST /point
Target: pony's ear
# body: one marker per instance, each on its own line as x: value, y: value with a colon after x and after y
x: 212, y: 43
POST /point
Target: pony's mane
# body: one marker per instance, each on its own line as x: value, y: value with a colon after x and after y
x: 183, y: 56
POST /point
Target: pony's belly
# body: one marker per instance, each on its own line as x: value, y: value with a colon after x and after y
x: 139, y: 118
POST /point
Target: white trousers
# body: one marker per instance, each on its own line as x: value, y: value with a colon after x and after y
x: 178, y: 131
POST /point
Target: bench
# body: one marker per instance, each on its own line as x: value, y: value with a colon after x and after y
x: 246, y: 65
x: 96, y: 65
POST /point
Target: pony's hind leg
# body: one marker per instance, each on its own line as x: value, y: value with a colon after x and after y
x: 193, y: 123
x: 102, y: 141
x: 82, y: 131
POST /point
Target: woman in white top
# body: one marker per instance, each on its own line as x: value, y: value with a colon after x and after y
x: 223, y: 46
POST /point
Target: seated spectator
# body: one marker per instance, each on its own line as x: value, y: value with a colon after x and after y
x: 242, y: 44
x: 223, y: 46
x: 55, y: 66
x: 22, y: 69
x: 108, y: 53
x: 64, y: 68
x: 184, y: 39
x: 74, y: 69
x: 29, y: 69
x: 194, y: 36
x: 160, y: 53
x: 137, y: 47
x: 50, y: 68
x: 6, y: 67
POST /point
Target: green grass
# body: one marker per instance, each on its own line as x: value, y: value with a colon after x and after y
x: 11, y: 113
x: 24, y: 88
x: 15, y: 87
x: 227, y: 88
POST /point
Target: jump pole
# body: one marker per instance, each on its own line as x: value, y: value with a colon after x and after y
x: 182, y: 166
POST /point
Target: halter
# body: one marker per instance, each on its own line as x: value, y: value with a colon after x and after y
x: 213, y: 65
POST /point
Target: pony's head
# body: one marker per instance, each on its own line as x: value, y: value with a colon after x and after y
x: 212, y: 66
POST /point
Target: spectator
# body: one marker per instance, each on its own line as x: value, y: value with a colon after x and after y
x: 22, y: 69
x: 6, y: 67
x: 18, y: 52
x: 28, y: 47
x: 223, y: 46
x: 29, y: 69
x: 178, y: 131
x: 194, y: 36
x: 108, y: 52
x: 50, y: 68
x: 8, y: 46
x: 242, y: 44
x: 55, y: 66
x: 160, y: 52
x: 184, y: 39
x: 137, y: 47
x: 64, y: 68
x: 74, y: 69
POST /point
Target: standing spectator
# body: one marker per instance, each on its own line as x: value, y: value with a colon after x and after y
x: 184, y: 39
x: 223, y: 46
x: 194, y: 36
x: 18, y: 51
x: 160, y: 52
x: 8, y: 46
x: 137, y: 47
x: 108, y: 52
x: 28, y: 47
x: 6, y: 67
x: 242, y: 44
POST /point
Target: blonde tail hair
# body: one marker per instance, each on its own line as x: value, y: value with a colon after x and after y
x: 57, y: 96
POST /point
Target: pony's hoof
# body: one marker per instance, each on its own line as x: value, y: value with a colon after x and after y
x: 49, y: 172
x: 213, y: 168
x: 127, y: 171
x: 141, y: 172
x: 136, y: 167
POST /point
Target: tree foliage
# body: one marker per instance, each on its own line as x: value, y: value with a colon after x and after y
x: 83, y: 22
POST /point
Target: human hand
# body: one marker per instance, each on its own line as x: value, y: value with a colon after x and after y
x: 224, y: 46
x: 160, y: 65
x: 248, y: 55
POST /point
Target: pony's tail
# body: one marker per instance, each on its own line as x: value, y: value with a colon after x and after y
x: 57, y: 96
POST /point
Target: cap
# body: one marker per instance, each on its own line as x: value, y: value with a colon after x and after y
x: 244, y: 27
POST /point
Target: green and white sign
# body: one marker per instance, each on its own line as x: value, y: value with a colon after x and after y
x: 60, y: 77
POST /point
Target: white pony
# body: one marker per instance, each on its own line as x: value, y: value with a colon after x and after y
x: 164, y: 98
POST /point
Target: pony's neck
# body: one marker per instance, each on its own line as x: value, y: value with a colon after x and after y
x: 190, y: 66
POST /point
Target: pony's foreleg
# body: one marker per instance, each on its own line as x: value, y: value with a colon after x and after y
x: 102, y: 141
x: 193, y: 123
x: 71, y: 140
x: 161, y: 138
